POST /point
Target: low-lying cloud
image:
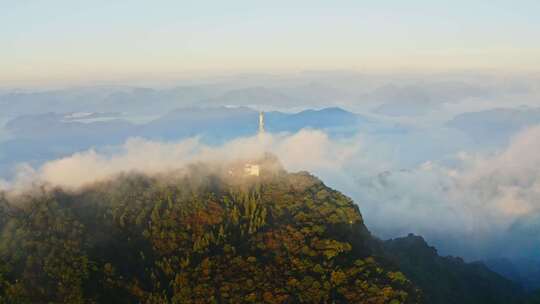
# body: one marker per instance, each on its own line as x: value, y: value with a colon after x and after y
x: 478, y: 207
x: 471, y: 209
x: 307, y: 149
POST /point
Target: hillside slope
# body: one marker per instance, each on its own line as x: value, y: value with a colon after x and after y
x: 205, y: 234
x: 210, y: 233
x: 447, y: 280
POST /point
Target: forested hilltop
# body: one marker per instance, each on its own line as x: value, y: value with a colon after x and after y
x: 217, y: 233
x: 205, y: 234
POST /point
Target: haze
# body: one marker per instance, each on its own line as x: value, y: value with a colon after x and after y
x: 67, y: 42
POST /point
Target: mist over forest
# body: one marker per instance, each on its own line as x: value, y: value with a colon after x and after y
x: 449, y: 156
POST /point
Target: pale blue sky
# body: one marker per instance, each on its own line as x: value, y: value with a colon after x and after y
x: 63, y: 40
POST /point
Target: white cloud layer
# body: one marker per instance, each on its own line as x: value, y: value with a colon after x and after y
x: 307, y: 149
x: 471, y: 209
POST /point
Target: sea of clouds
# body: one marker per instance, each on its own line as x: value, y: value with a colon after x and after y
x: 483, y: 205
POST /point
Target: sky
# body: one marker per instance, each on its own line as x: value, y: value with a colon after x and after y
x: 82, y: 41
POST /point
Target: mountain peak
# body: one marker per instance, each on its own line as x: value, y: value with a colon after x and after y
x: 198, y: 236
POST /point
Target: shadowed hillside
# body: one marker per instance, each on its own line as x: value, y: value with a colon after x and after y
x: 449, y: 279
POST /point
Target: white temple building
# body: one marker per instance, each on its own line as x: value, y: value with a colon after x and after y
x: 252, y: 169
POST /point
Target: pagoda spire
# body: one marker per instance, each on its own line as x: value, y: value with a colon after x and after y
x: 261, y: 122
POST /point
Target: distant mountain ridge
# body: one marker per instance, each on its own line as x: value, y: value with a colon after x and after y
x: 225, y: 121
x: 37, y: 138
x: 495, y: 126
x: 158, y: 101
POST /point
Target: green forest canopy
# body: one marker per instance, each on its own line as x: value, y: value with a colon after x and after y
x: 201, y: 235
